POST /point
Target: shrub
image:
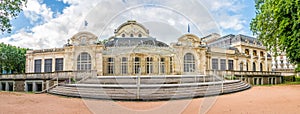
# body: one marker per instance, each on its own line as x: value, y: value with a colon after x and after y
x: 297, y: 78
x: 289, y: 78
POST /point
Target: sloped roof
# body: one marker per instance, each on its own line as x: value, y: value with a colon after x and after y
x: 128, y: 42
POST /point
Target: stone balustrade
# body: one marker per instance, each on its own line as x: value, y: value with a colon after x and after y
x: 50, y: 75
x: 244, y: 73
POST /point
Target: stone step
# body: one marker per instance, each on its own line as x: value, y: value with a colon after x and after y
x: 149, y: 89
x: 143, y: 92
x: 142, y: 81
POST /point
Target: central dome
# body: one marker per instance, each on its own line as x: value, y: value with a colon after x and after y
x: 131, y: 29
x: 131, y: 34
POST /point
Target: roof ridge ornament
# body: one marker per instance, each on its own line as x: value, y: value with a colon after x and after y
x: 189, y: 29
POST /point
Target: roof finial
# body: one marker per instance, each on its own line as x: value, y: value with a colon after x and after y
x: 85, y: 23
x: 189, y: 29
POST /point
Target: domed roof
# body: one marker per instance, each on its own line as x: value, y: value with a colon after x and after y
x: 128, y: 42
x: 131, y: 29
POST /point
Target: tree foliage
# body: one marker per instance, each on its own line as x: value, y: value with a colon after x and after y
x: 9, y: 9
x: 12, y: 58
x: 277, y: 24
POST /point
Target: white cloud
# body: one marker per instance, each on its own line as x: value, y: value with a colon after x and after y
x: 37, y: 12
x: 106, y: 16
x: 226, y: 13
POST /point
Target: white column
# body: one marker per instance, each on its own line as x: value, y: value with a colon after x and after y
x: 47, y: 84
x: 6, y: 86
x: 42, y: 64
x: 25, y: 88
x: 33, y: 87
x: 53, y: 64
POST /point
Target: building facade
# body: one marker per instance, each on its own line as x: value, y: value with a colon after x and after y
x: 132, y: 51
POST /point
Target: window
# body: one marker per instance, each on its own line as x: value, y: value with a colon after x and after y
x: 254, y: 67
x: 241, y: 67
x: 149, y: 66
x: 59, y: 64
x: 230, y: 64
x: 123, y: 35
x: 137, y: 65
x: 223, y: 64
x: 124, y: 65
x: 84, y: 61
x: 131, y: 35
x: 189, y: 63
x: 261, y: 67
x: 162, y: 65
x: 140, y: 35
x: 110, y: 65
x: 215, y: 64
x: 247, y: 51
x: 261, y: 54
x: 37, y: 65
x: 171, y: 65
x: 254, y: 53
x: 48, y: 65
x: 247, y: 67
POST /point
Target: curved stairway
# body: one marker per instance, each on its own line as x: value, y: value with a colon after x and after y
x: 149, y: 87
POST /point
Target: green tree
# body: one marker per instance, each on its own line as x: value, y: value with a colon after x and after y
x: 9, y: 9
x: 277, y: 25
x: 12, y: 58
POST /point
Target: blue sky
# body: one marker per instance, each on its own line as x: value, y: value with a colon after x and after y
x: 49, y: 23
x: 22, y: 22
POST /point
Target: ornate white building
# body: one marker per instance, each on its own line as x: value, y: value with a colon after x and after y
x: 132, y: 51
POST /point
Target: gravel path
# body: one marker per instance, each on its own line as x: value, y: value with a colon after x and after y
x: 258, y: 99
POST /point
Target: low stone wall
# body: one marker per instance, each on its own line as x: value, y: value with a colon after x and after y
x: 46, y: 79
x: 261, y: 80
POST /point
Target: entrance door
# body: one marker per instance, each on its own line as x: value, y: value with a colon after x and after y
x: 29, y: 87
x: 39, y: 86
x: 3, y: 86
x: 10, y: 86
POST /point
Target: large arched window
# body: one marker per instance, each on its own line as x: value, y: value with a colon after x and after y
x: 189, y: 62
x: 84, y: 61
x: 149, y: 66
